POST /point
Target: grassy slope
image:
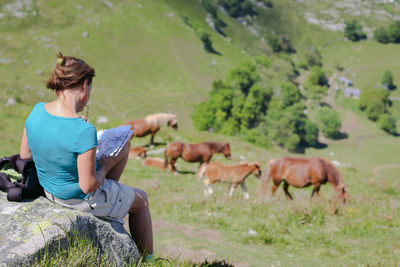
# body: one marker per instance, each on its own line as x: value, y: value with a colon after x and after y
x: 148, y: 61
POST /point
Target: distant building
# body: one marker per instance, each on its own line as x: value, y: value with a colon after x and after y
x: 345, y: 81
x: 352, y: 92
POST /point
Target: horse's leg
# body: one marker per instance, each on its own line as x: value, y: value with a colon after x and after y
x: 201, y: 169
x: 275, y: 186
x: 286, y: 190
x: 152, y: 138
x: 316, y: 190
x: 232, y: 189
x: 244, y: 189
x: 173, y: 168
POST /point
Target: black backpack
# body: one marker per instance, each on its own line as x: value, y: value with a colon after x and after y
x: 26, y: 188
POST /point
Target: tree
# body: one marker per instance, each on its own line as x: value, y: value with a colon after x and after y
x: 387, y: 123
x: 381, y: 35
x: 310, y: 133
x: 387, y: 79
x: 353, y: 31
x: 330, y: 122
x: 393, y: 32
x: 290, y: 93
x: 316, y: 76
x: 313, y: 57
x: 374, y: 102
x: 205, y: 38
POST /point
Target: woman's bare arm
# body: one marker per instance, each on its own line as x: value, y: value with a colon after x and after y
x: 24, y: 150
x: 89, y: 178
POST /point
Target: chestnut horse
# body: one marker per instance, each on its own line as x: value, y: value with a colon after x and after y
x: 235, y: 175
x: 303, y: 172
x: 151, y: 125
x: 201, y: 152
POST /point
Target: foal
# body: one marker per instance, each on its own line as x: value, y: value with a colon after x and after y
x: 235, y: 175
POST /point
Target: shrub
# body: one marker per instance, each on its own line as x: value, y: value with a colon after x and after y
x: 374, y: 102
x: 316, y: 76
x: 264, y: 61
x: 353, y: 31
x: 381, y: 35
x: 310, y: 133
x: 290, y: 93
x: 387, y: 123
x: 330, y: 121
x: 205, y: 38
x: 313, y: 57
x: 387, y: 79
x: 393, y: 32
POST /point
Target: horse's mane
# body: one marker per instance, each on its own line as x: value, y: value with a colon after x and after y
x: 216, y: 145
x: 160, y: 119
x: 334, y: 173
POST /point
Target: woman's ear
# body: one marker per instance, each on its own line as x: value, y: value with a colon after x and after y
x: 84, y: 85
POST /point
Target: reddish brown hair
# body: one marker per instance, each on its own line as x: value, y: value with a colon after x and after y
x: 68, y: 72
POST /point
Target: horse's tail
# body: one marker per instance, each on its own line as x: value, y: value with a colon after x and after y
x: 265, y: 178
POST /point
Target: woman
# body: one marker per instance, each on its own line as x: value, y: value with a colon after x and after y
x: 63, y: 147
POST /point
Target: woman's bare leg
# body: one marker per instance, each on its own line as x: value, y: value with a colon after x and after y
x: 140, y: 223
x: 116, y: 165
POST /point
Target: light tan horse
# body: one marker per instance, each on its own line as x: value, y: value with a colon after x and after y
x: 151, y: 124
x: 137, y: 152
x: 235, y: 175
x: 303, y: 172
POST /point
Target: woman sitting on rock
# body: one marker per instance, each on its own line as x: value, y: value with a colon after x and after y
x: 63, y: 147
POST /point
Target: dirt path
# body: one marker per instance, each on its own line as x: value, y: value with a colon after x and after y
x: 377, y: 169
x: 201, y: 251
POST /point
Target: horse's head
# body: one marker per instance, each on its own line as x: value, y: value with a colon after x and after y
x: 342, y: 193
x: 226, y: 150
x: 174, y: 124
x: 257, y: 170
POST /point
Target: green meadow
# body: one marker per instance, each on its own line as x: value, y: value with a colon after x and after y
x: 148, y: 60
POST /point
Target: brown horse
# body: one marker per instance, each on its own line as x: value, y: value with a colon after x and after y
x: 235, y: 175
x: 303, y: 172
x: 151, y: 125
x: 201, y: 152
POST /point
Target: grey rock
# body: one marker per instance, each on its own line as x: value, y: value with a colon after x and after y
x: 26, y: 227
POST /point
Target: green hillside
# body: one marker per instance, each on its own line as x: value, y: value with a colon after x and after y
x: 149, y: 58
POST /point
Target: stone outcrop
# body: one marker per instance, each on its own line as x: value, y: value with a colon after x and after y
x: 26, y: 227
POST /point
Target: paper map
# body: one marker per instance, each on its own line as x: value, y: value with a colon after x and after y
x: 111, y: 141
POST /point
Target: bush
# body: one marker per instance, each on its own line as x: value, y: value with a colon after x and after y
x: 311, y: 133
x: 381, y: 35
x: 205, y: 38
x: 387, y: 123
x: 387, y: 79
x: 353, y: 31
x: 330, y: 122
x: 280, y: 43
x: 393, y: 32
x: 313, y: 57
x: 238, y: 8
x: 316, y: 76
x: 290, y: 94
x: 264, y: 61
x: 374, y: 102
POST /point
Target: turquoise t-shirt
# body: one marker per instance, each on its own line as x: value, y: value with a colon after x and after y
x: 55, y: 143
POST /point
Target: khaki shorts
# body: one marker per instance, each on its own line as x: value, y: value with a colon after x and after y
x: 111, y: 200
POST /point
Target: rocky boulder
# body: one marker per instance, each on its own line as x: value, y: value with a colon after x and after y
x: 26, y: 227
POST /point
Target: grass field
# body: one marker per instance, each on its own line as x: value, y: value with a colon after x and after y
x: 148, y: 60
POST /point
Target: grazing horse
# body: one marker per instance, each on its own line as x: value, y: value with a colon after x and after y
x: 201, y: 152
x: 151, y: 124
x: 303, y: 172
x: 235, y: 175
